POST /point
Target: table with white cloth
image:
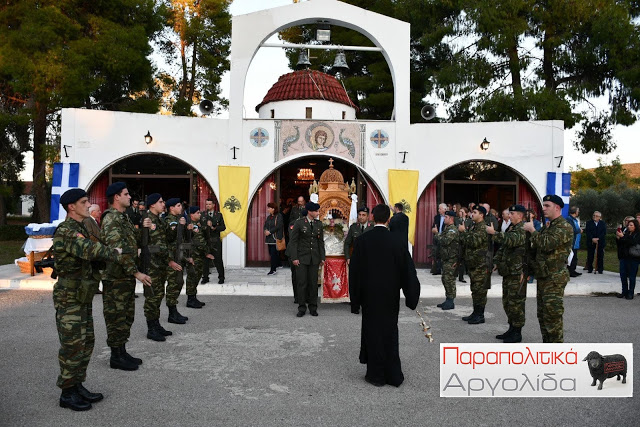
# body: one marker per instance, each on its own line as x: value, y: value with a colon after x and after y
x: 33, y: 246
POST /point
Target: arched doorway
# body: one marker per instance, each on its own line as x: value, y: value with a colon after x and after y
x: 153, y: 173
x: 285, y: 184
x: 475, y: 181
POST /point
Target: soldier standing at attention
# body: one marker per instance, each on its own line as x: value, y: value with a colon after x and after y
x: 160, y: 258
x: 306, y: 248
x: 119, y: 279
x: 449, y: 242
x: 178, y: 259
x: 215, y: 223
x: 73, y: 293
x: 356, y: 230
x: 199, y: 252
x: 297, y: 212
x: 510, y: 260
x: 475, y: 242
x: 552, y: 245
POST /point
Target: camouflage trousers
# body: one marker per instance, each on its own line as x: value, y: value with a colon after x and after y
x: 449, y: 275
x: 152, y: 303
x: 174, y: 284
x: 513, y: 300
x: 194, y: 273
x: 118, y: 299
x: 551, y: 307
x: 74, y: 321
x: 478, y: 278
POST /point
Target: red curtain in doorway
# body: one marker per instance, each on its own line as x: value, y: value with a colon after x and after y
x: 373, y: 196
x: 527, y: 198
x: 256, y: 248
x: 427, y: 209
x: 204, y: 192
x: 97, y: 192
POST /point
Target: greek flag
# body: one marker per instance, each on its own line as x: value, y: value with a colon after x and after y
x: 559, y: 183
x: 65, y: 177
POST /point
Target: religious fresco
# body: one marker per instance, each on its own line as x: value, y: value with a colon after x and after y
x: 345, y: 139
x: 259, y: 137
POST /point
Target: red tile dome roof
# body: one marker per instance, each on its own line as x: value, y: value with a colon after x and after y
x: 307, y: 84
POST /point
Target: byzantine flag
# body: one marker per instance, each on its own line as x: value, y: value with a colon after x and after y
x: 403, y: 188
x: 234, y: 199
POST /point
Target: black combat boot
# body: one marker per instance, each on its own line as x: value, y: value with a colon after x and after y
x: 175, y: 317
x: 162, y: 330
x: 448, y: 304
x: 154, y: 333
x: 475, y: 311
x: 70, y: 398
x: 505, y: 334
x: 200, y: 302
x: 192, y: 302
x: 118, y: 361
x: 442, y: 303
x: 127, y: 356
x: 478, y: 317
x: 516, y: 336
x: 88, y: 396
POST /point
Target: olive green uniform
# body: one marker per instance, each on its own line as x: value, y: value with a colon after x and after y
x: 214, y: 241
x: 355, y: 231
x: 175, y: 279
x: 160, y: 257
x: 510, y: 262
x: 199, y: 251
x: 475, y: 243
x: 306, y: 245
x: 449, y: 242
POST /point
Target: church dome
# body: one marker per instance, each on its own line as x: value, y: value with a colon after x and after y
x: 306, y: 85
x: 331, y: 175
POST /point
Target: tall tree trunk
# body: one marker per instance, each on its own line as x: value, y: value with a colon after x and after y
x: 547, y: 59
x: 3, y: 211
x: 185, y: 73
x: 192, y: 83
x: 40, y: 193
x: 516, y: 80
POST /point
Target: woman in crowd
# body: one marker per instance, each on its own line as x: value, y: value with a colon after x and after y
x: 273, y: 229
x: 627, y: 239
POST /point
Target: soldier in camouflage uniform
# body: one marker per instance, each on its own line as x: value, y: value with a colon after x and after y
x: 214, y: 223
x: 199, y: 252
x: 475, y: 243
x: 510, y: 262
x: 552, y: 245
x: 176, y: 268
x: 160, y: 257
x: 363, y: 225
x: 449, y: 242
x: 119, y: 279
x: 78, y: 280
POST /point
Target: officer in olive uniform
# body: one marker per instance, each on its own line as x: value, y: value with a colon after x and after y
x: 199, y: 253
x: 78, y: 280
x: 306, y: 249
x: 119, y: 279
x: 510, y: 262
x: 475, y: 242
x: 449, y: 242
x: 297, y: 212
x: 214, y: 223
x: 178, y: 264
x: 361, y: 226
x: 552, y: 245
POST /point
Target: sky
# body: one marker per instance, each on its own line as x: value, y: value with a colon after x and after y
x: 270, y: 63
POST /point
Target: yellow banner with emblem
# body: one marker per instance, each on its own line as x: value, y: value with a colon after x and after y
x: 234, y: 199
x: 403, y: 188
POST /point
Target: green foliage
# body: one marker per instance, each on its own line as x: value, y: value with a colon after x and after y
x: 602, y: 177
x: 12, y: 232
x: 615, y: 203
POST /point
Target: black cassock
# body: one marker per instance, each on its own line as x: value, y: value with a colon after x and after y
x: 380, y: 266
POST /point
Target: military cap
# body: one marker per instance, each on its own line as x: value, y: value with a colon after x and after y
x: 363, y: 209
x: 480, y: 209
x: 312, y: 207
x: 450, y: 213
x: 72, y: 196
x: 517, y: 208
x: 115, y: 188
x: 152, y: 199
x: 553, y: 198
x: 194, y: 209
x: 172, y: 202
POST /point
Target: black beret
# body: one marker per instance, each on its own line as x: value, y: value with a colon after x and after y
x: 517, y: 208
x: 450, y: 213
x: 480, y: 209
x: 194, y: 209
x: 115, y: 188
x: 172, y: 202
x: 152, y: 199
x: 553, y: 198
x: 363, y: 209
x: 312, y: 207
x: 72, y: 196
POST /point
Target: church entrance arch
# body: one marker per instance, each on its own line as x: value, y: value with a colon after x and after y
x: 285, y: 184
x: 475, y: 181
x: 153, y: 173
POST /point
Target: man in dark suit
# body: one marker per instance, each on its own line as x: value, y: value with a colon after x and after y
x: 400, y: 222
x: 380, y: 266
x: 596, y: 230
x: 438, y: 226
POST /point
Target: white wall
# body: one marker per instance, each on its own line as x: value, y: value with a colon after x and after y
x: 296, y: 109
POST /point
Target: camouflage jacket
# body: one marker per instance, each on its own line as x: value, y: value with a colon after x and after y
x: 73, y: 252
x: 449, y: 241
x: 160, y: 254
x: 475, y: 241
x: 118, y: 232
x: 217, y: 221
x: 172, y: 237
x: 512, y: 250
x: 199, y: 246
x: 552, y: 245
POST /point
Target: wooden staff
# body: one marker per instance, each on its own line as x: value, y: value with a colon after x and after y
x: 595, y: 264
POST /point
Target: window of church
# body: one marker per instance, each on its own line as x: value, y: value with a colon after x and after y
x: 273, y: 114
x: 308, y: 115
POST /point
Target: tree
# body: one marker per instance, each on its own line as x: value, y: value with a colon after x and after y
x: 197, y: 36
x: 602, y: 177
x: 67, y: 53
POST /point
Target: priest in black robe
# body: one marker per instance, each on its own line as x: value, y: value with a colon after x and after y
x: 380, y: 266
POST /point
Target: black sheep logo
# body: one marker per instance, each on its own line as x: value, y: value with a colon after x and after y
x: 603, y: 367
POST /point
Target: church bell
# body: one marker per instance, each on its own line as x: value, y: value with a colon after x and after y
x: 303, y: 60
x: 340, y: 64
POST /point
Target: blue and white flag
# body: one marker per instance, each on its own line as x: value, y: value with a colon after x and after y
x: 559, y: 183
x: 65, y: 177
